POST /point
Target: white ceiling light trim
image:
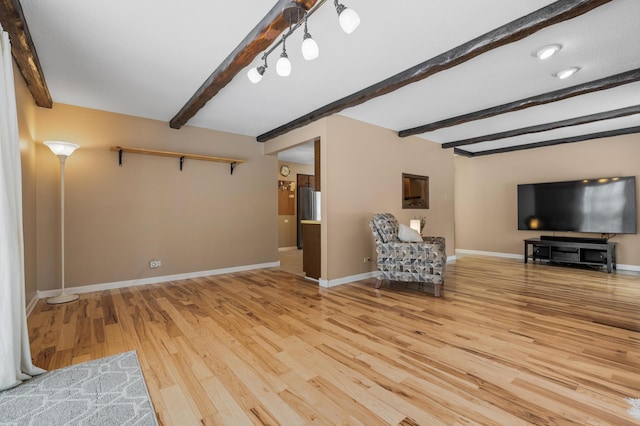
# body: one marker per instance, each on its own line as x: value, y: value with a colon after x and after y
x: 566, y: 73
x: 545, y: 52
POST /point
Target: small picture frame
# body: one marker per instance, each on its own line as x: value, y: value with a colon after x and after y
x: 415, y: 191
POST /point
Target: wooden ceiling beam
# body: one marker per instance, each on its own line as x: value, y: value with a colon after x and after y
x: 462, y: 152
x: 258, y: 40
x: 24, y: 51
x: 552, y: 14
x: 591, y: 118
x: 561, y: 141
x: 545, y: 98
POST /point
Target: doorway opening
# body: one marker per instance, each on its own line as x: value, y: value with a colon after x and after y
x: 297, y: 201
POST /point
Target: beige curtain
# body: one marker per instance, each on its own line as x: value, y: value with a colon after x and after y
x: 15, y: 354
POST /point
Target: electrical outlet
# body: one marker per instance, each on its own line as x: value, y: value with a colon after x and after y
x: 366, y: 259
x: 155, y: 264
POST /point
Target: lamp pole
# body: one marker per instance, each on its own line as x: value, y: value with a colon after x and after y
x: 62, y: 150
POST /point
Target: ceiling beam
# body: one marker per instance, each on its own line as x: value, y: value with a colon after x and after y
x: 545, y: 98
x: 607, y: 115
x: 552, y: 14
x: 580, y: 138
x: 462, y: 152
x: 24, y: 51
x: 259, y: 39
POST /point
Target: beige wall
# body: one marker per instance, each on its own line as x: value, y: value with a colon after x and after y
x: 26, y: 126
x: 287, y: 229
x: 366, y: 163
x: 361, y: 173
x: 486, y: 197
x: 120, y: 218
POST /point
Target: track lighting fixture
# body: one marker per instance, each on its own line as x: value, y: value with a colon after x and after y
x: 294, y: 14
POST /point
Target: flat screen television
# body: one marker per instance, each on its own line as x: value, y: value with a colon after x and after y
x: 604, y: 205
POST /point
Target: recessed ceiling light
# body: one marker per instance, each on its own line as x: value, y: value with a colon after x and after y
x: 566, y: 73
x: 547, y: 51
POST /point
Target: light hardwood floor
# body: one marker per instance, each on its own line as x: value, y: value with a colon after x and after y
x: 507, y: 344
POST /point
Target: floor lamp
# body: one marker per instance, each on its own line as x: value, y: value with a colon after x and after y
x: 62, y: 150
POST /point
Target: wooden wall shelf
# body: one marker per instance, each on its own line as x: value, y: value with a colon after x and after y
x: 180, y: 155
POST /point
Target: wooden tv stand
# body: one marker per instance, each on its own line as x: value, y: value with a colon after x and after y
x: 571, y: 252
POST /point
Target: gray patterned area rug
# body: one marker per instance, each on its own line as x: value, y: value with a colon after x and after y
x: 635, y: 407
x: 107, y: 391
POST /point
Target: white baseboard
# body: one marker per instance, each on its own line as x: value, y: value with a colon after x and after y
x: 346, y: 280
x: 155, y: 280
x: 358, y: 277
x: 619, y: 266
x: 490, y: 253
x: 32, y: 304
x: 634, y: 268
x: 322, y: 283
x: 287, y: 248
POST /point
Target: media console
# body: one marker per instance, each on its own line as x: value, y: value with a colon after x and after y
x: 581, y: 251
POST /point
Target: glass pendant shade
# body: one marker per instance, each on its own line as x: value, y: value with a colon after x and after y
x: 62, y: 148
x: 349, y: 20
x: 310, y: 49
x: 255, y: 75
x: 283, y: 66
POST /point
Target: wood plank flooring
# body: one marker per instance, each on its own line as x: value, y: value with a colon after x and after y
x: 507, y: 344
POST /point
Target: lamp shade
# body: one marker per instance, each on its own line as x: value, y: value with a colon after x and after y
x: 255, y: 75
x: 349, y: 20
x: 62, y: 148
x: 310, y: 49
x: 283, y: 66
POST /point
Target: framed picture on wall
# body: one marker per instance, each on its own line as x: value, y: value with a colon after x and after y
x: 415, y: 191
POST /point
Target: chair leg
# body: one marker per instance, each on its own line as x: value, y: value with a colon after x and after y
x: 378, y: 283
x: 437, y: 290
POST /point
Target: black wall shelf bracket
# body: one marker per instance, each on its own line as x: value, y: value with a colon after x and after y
x: 120, y: 158
x: 181, y: 162
x: 233, y: 166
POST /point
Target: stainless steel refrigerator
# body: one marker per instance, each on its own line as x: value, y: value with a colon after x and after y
x: 308, y: 208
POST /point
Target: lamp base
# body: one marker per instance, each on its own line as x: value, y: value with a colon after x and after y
x: 62, y: 298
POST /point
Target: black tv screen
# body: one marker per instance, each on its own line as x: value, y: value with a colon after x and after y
x: 604, y: 205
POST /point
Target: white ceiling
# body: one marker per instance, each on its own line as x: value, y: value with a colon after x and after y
x: 147, y: 58
x: 303, y: 154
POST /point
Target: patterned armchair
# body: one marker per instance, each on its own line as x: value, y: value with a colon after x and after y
x: 419, y: 262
